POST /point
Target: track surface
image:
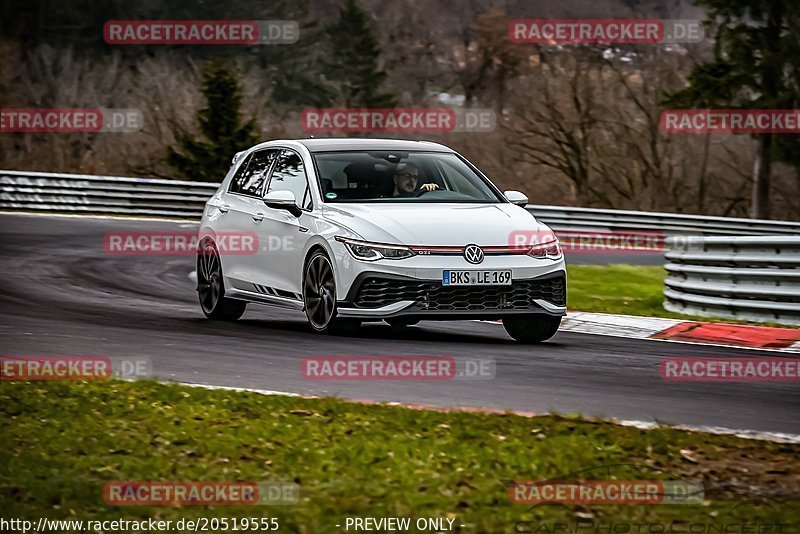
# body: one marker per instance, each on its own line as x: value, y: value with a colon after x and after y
x: 63, y: 295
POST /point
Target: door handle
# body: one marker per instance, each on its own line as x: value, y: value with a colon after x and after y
x: 258, y: 217
x: 224, y: 208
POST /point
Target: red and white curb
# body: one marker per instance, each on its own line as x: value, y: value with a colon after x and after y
x: 677, y: 330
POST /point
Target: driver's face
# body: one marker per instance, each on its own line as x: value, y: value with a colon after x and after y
x: 406, y: 180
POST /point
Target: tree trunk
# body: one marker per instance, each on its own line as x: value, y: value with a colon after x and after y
x: 581, y: 188
x: 772, y: 72
x: 701, y: 183
x: 762, y: 171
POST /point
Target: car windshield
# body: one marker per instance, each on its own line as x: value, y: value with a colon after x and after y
x: 397, y: 176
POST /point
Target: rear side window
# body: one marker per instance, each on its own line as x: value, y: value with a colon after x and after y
x: 252, y: 174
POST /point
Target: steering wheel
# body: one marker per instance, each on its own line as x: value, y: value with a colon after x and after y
x: 423, y: 191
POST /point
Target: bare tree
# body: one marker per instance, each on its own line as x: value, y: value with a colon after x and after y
x: 556, y: 125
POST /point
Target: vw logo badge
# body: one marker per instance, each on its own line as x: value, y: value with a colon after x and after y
x: 473, y: 254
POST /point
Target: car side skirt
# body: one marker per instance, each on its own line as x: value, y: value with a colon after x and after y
x: 258, y: 298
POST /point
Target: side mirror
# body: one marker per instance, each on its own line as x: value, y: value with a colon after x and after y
x: 283, y: 200
x: 515, y: 197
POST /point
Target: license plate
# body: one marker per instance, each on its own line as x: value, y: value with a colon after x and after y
x: 476, y: 278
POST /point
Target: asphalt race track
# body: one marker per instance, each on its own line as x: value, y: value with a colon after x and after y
x: 64, y: 296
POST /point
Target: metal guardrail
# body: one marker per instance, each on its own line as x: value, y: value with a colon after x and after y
x: 80, y: 193
x: 561, y: 217
x: 747, y: 278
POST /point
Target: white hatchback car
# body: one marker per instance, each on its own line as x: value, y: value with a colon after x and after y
x: 354, y: 230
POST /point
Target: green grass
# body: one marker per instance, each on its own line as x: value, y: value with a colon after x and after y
x: 621, y: 289
x: 63, y: 441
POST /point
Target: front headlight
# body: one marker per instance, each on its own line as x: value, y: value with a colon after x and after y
x: 550, y: 250
x: 366, y: 251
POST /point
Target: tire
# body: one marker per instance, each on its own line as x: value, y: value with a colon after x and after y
x: 319, y: 297
x: 401, y: 322
x: 211, y: 286
x: 531, y: 328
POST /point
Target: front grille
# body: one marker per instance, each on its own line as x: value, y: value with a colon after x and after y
x: 376, y: 292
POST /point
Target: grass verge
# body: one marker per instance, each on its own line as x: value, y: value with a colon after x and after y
x: 63, y: 441
x: 620, y: 289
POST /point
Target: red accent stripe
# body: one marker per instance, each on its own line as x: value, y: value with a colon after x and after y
x: 435, y: 250
x: 513, y: 249
x: 509, y: 250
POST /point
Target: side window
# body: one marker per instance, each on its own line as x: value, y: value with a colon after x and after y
x: 289, y: 175
x: 251, y: 176
x: 235, y: 185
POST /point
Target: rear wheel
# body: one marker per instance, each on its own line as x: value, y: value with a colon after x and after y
x: 531, y: 328
x: 319, y: 296
x: 211, y: 288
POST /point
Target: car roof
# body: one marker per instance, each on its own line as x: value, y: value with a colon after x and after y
x: 343, y: 143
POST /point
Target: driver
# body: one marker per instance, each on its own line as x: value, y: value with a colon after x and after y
x: 406, y: 178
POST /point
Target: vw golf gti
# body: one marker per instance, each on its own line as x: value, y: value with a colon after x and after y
x: 355, y: 230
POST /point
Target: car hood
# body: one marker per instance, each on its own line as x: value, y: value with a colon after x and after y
x: 435, y: 224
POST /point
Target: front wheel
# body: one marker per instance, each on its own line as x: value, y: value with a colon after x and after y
x: 531, y: 328
x: 319, y: 296
x: 211, y: 288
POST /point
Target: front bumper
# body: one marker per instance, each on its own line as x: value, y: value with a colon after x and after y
x: 378, y: 295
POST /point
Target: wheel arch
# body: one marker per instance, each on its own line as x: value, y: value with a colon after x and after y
x: 207, y: 232
x: 320, y: 243
x: 312, y: 248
